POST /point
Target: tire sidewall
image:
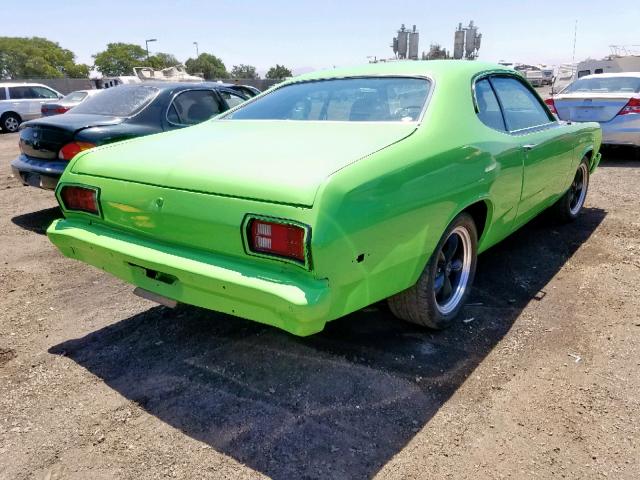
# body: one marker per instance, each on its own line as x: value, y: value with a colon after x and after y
x: 3, y: 123
x: 437, y: 318
x: 567, y: 198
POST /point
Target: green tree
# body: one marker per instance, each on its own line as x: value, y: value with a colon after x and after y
x: 436, y: 52
x: 120, y: 58
x: 162, y: 60
x: 207, y: 65
x: 244, y: 71
x: 22, y: 57
x: 278, y: 72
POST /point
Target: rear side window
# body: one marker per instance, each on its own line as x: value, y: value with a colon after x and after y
x: 193, y: 106
x: 3, y: 93
x: 488, y: 106
x: 521, y: 108
x: 232, y: 99
x: 584, y: 73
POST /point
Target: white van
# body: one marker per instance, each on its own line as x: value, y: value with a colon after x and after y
x: 20, y: 102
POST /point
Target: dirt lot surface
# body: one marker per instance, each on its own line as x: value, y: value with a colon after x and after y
x: 539, y: 379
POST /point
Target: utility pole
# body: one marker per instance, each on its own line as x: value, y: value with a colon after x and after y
x: 575, y: 35
x: 197, y: 53
x: 146, y: 42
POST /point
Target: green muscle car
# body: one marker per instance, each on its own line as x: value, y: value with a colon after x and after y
x: 331, y: 191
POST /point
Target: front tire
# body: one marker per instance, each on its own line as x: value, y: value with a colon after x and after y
x: 10, y: 122
x: 440, y: 292
x: 570, y: 204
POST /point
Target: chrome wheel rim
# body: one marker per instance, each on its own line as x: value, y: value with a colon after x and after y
x: 452, y: 270
x: 11, y: 124
x: 578, y: 189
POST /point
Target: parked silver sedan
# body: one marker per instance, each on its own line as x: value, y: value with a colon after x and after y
x: 611, y: 99
x: 67, y: 102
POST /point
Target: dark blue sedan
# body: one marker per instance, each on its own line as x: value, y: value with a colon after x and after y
x: 119, y: 113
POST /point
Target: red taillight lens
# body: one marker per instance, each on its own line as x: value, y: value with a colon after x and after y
x: 633, y: 106
x: 552, y: 106
x: 80, y: 199
x: 70, y: 150
x: 61, y: 109
x: 280, y: 239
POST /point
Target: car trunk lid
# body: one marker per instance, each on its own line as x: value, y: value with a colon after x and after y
x: 45, y: 137
x: 276, y: 161
x: 590, y: 107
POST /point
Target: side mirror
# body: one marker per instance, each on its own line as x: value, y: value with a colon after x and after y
x: 60, y: 96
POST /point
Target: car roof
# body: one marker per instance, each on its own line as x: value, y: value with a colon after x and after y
x: 23, y: 84
x: 171, y: 85
x: 611, y: 75
x: 429, y: 68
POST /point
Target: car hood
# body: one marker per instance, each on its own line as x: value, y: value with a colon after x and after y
x: 277, y: 161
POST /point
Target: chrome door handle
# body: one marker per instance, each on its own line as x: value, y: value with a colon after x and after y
x: 529, y: 146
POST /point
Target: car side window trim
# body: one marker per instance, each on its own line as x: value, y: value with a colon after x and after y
x: 522, y: 131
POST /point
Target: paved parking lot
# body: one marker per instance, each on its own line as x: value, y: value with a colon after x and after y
x: 538, y: 380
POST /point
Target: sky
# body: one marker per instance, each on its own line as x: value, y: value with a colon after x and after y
x: 306, y: 35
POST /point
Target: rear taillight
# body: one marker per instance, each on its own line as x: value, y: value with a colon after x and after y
x: 552, y: 106
x: 276, y: 238
x: 81, y: 199
x: 70, y: 150
x: 633, y: 106
x: 45, y: 109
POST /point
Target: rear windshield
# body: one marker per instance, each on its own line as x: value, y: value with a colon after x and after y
x: 366, y: 99
x: 605, y: 85
x: 74, y: 97
x: 121, y: 101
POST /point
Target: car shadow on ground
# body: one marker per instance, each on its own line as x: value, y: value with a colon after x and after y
x: 339, y: 404
x: 620, y: 157
x: 39, y: 221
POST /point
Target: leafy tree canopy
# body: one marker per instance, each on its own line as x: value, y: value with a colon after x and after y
x: 162, y: 60
x: 244, y: 71
x: 278, y: 72
x: 22, y: 57
x: 120, y: 58
x: 207, y: 65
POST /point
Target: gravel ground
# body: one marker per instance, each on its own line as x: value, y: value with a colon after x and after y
x: 538, y: 380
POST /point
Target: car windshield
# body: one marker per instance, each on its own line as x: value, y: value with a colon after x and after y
x: 121, y: 101
x: 74, y: 97
x: 605, y: 85
x: 361, y: 99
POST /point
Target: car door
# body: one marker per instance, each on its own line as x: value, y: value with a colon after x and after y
x: 547, y: 145
x: 190, y: 107
x: 20, y: 97
x: 39, y: 96
x: 505, y: 170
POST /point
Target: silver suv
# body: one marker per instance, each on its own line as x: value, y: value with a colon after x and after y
x: 20, y: 102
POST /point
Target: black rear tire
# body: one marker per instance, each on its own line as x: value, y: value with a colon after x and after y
x: 425, y: 303
x: 10, y: 122
x: 569, y: 206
